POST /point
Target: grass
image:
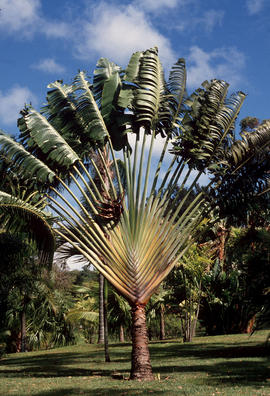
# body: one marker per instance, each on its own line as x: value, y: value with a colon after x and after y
x: 210, y: 366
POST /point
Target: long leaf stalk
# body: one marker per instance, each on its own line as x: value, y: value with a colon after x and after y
x: 130, y: 192
x: 98, y: 252
x: 86, y: 232
x: 154, y: 278
x: 174, y: 202
x: 71, y: 207
x: 120, y: 185
x: 147, y: 172
x: 166, y: 237
x: 176, y: 175
x: 160, y: 162
x: 140, y: 174
x: 90, y: 224
x: 135, y: 159
x: 91, y: 233
x: 174, y: 178
x: 74, y: 197
x: 86, y: 197
x: 87, y: 253
x: 93, y: 191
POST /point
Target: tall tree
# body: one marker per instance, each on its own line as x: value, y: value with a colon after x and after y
x: 134, y: 238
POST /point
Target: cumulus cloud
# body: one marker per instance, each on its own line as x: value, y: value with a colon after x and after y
x: 254, y: 6
x: 116, y: 32
x: 25, y: 17
x: 222, y: 63
x: 49, y: 65
x: 12, y: 101
x: 17, y: 15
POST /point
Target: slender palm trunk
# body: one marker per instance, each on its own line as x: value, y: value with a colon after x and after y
x: 106, y: 335
x: 23, y: 331
x: 140, y: 359
x: 162, y: 323
x: 101, y: 310
x: 121, y: 334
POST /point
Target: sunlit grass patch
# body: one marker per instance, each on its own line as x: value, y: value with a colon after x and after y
x: 222, y: 365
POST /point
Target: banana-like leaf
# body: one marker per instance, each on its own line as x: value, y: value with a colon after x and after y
x: 126, y: 96
x: 17, y: 216
x: 243, y: 150
x: 107, y: 86
x: 61, y: 113
x: 104, y: 72
x: 150, y: 105
x: 177, y: 89
x: 88, y: 111
x: 77, y: 314
x: 207, y: 125
x: 27, y: 164
x: 49, y: 141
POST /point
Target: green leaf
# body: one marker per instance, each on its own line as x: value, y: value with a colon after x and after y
x: 27, y: 164
x: 49, y: 141
x: 20, y: 217
x: 88, y: 111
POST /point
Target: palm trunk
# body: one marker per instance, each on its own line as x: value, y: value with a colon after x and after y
x: 106, y: 339
x: 101, y: 310
x: 121, y: 334
x: 23, y: 331
x: 140, y: 359
x: 162, y: 323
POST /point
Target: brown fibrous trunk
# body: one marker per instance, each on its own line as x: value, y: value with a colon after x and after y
x: 140, y: 359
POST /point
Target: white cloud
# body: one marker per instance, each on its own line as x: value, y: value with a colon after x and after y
x: 222, y: 63
x: 157, y: 147
x: 19, y: 16
x: 24, y: 17
x: 154, y: 5
x: 208, y: 20
x: 12, y: 101
x: 254, y: 6
x: 49, y: 65
x: 55, y: 29
x: 211, y: 18
x: 117, y: 32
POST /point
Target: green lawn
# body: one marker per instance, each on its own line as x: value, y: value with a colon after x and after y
x: 222, y: 365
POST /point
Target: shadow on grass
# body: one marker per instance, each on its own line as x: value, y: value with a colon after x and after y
x: 210, y: 351
x: 53, y: 365
x: 99, y: 392
x: 224, y: 363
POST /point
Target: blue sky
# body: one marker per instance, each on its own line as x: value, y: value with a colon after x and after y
x: 45, y: 40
